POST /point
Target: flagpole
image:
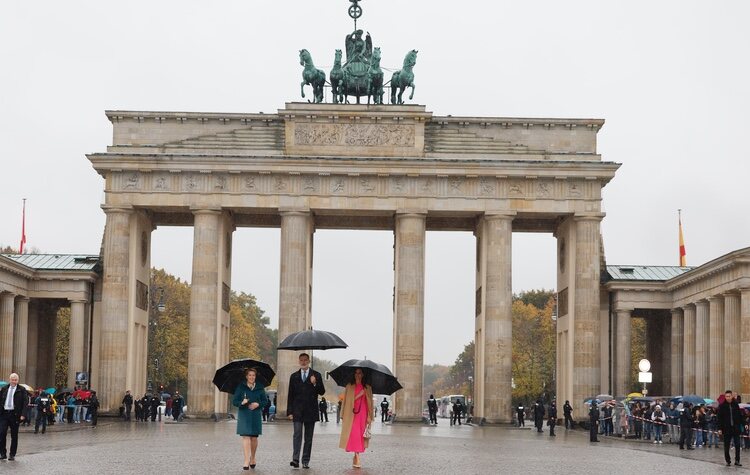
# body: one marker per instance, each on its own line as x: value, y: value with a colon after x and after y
x: 682, y: 260
x: 23, y: 227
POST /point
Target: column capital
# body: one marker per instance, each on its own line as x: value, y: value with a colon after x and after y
x: 411, y: 213
x: 111, y: 209
x: 503, y: 215
x: 677, y: 311
x: 714, y: 298
x: 731, y: 293
x: 589, y: 216
x: 23, y: 298
x: 688, y: 306
x: 7, y: 294
x: 294, y: 210
x: 205, y: 210
x: 701, y: 302
x: 624, y: 310
x: 83, y: 301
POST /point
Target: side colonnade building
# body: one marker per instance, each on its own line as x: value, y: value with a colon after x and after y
x: 697, y: 325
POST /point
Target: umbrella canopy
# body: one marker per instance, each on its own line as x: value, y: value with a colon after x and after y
x: 646, y: 399
x: 66, y: 391
x: 3, y: 383
x: 708, y: 400
x: 229, y: 376
x: 50, y: 390
x: 377, y: 375
x: 605, y: 397
x: 312, y: 340
x: 632, y: 395
x: 26, y: 387
x: 693, y: 399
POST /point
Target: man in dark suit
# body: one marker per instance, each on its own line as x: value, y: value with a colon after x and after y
x: 14, y: 400
x: 730, y: 420
x: 305, y: 386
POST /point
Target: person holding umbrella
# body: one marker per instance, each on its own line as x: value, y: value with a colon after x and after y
x: 305, y: 386
x: 358, y: 414
x: 250, y: 398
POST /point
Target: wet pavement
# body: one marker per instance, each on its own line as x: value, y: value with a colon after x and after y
x: 204, y: 447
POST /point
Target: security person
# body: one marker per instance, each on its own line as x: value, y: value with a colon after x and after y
x: 521, y: 415
x: 552, y: 418
x: 42, y: 411
x: 567, y: 412
x: 384, y: 410
x: 594, y: 422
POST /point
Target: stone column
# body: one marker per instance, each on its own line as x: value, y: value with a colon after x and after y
x: 294, y: 299
x: 688, y: 379
x: 496, y: 326
x: 204, y: 301
x: 745, y: 343
x: 587, y: 351
x: 408, y: 318
x: 732, y: 334
x: 21, y: 336
x: 622, y: 352
x: 32, y: 346
x: 676, y: 346
x: 7, y: 317
x: 701, y: 348
x: 76, y: 355
x: 113, y: 367
x: 716, y: 346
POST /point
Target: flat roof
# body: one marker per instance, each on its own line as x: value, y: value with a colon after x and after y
x: 650, y: 273
x: 56, y: 261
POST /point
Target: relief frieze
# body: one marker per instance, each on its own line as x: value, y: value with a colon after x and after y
x: 355, y: 135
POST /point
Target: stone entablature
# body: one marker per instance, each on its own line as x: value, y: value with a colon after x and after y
x: 326, y: 130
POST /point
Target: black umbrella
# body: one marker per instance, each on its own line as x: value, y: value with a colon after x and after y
x: 377, y: 375
x: 312, y: 340
x: 229, y: 376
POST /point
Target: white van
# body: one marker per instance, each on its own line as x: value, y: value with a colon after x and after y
x: 445, y: 405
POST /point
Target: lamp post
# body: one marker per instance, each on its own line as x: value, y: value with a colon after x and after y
x: 644, y: 376
x: 156, y: 307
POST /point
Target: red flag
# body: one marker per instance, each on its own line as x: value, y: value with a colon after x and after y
x: 23, y: 228
x: 683, y: 261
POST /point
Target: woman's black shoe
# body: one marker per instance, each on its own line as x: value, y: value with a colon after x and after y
x: 252, y: 465
x: 245, y: 467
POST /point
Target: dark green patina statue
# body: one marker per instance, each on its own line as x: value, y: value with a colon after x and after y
x: 312, y: 76
x: 361, y: 74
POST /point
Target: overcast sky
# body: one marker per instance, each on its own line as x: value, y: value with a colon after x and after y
x: 669, y: 77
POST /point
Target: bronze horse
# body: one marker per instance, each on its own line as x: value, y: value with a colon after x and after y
x: 404, y: 78
x: 312, y: 76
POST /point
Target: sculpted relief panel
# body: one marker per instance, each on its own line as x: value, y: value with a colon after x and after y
x: 355, y: 135
x: 382, y: 185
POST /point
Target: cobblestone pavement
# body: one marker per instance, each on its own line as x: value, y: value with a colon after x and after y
x: 205, y: 447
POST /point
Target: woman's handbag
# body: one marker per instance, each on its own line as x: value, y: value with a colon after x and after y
x: 367, y: 433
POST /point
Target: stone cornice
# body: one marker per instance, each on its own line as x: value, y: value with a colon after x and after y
x: 106, y: 162
x: 159, y: 117
x: 524, y: 122
x: 735, y: 258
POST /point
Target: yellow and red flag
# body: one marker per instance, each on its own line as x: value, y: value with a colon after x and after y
x: 23, y: 228
x: 683, y: 261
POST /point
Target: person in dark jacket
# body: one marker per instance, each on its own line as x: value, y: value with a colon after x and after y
x: 384, y: 410
x: 13, y: 401
x: 177, y: 404
x: 686, y: 427
x: 730, y: 418
x: 521, y: 415
x: 323, y: 407
x: 305, y: 386
x: 552, y: 418
x: 94, y: 408
x: 594, y: 422
x: 568, y: 413
x: 458, y: 410
x: 432, y: 408
x: 42, y: 402
x: 154, y: 403
x: 538, y: 415
x: 127, y: 402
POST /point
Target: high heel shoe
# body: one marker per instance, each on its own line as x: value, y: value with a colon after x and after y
x: 245, y: 467
x: 252, y: 465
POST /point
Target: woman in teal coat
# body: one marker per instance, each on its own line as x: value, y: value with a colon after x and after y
x: 250, y: 397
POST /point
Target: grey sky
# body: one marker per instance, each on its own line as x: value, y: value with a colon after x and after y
x: 670, y: 78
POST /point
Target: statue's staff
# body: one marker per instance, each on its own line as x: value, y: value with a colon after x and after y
x: 355, y: 11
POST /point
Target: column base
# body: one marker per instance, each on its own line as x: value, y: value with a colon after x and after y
x: 494, y: 422
x: 396, y: 419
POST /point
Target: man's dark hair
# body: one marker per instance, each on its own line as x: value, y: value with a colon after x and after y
x: 304, y: 354
x: 728, y: 391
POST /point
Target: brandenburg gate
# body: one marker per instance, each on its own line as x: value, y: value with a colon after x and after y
x: 346, y: 166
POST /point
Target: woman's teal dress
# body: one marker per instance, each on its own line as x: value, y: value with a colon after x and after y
x: 249, y: 422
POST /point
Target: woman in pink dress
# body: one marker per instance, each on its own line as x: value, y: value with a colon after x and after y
x: 357, y: 416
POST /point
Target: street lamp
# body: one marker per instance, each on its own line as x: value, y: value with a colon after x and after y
x: 471, y: 387
x: 644, y: 376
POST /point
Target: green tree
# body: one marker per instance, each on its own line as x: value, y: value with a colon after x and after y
x: 637, y: 350
x: 62, y: 346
